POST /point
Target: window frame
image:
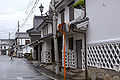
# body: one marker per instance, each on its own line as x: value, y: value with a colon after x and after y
x: 71, y: 12
x: 70, y: 41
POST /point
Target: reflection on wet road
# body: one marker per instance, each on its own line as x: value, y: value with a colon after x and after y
x: 18, y: 69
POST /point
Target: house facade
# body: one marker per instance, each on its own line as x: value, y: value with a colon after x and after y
x: 94, y: 32
x: 74, y: 39
x: 35, y: 35
x: 21, y: 43
x: 46, y: 40
x: 103, y: 34
x: 5, y: 46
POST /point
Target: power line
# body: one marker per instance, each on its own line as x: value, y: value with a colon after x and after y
x: 28, y: 16
x: 3, y: 31
x: 30, y: 13
x: 14, y: 11
x: 14, y: 30
x: 17, y: 26
x: 30, y: 3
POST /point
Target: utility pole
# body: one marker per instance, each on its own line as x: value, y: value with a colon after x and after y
x: 55, y: 37
x: 18, y: 52
x: 9, y: 45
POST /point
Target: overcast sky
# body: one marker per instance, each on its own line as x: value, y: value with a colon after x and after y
x: 12, y: 11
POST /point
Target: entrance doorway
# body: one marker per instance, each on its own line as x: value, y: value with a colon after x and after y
x: 79, y: 53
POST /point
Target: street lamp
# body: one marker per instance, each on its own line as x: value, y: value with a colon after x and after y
x: 41, y: 9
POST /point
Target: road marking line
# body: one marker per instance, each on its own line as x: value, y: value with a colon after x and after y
x: 19, y: 78
x: 48, y: 75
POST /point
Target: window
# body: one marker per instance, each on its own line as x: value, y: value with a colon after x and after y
x: 71, y: 13
x: 62, y: 15
x: 71, y: 43
x: 1, y: 47
x: 45, y: 30
x: 27, y: 41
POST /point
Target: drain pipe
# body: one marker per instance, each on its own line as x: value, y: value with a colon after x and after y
x: 86, y: 69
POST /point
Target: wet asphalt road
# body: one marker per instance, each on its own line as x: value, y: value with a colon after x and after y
x: 18, y: 69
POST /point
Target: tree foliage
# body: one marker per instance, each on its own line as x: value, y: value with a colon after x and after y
x: 78, y: 4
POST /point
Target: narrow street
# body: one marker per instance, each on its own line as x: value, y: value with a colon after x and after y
x: 18, y: 69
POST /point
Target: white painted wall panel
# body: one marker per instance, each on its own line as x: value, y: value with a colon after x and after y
x: 59, y: 18
x: 49, y: 28
x: 66, y: 14
x: 104, y: 20
x: 48, y: 44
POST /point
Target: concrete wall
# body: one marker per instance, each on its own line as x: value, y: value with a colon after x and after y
x: 104, y: 20
x: 27, y: 49
x: 46, y: 46
x: 49, y: 28
x: 76, y: 36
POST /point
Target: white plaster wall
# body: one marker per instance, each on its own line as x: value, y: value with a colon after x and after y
x: 7, y: 47
x: 76, y: 36
x: 48, y: 44
x: 66, y: 14
x: 78, y: 13
x: 104, y: 17
x: 41, y: 33
x: 49, y: 28
x: 59, y: 18
x: 27, y: 49
x: 7, y: 52
x: 44, y: 45
x: 23, y: 41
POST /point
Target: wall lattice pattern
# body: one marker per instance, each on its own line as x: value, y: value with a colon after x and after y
x: 46, y: 57
x: 70, y: 59
x: 104, y: 56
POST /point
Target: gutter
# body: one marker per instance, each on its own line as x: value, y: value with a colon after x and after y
x: 86, y: 69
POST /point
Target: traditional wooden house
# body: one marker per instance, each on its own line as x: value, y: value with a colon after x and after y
x: 35, y: 35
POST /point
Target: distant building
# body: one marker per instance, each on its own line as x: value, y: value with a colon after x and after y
x: 5, y: 46
x: 21, y: 43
